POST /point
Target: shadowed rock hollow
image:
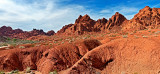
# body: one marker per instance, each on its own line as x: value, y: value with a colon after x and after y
x: 44, y: 59
x: 120, y: 56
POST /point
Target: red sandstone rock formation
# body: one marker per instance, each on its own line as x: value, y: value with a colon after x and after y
x: 49, y: 33
x: 120, y: 56
x: 85, y: 24
x: 43, y: 59
x: 18, y: 33
x: 145, y: 18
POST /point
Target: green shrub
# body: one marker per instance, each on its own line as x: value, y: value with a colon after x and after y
x: 136, y: 36
x: 21, y: 47
x: 145, y: 29
x: 145, y: 36
x: 28, y: 70
x: 153, y: 31
x: 135, y: 31
x: 112, y: 35
x: 1, y: 72
x: 14, y: 40
x: 14, y: 72
x: 8, y: 38
x: 54, y: 72
x: 125, y: 36
x: 157, y: 32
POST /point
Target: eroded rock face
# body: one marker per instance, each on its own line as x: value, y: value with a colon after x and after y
x: 85, y: 24
x: 120, y: 56
x: 115, y: 22
x: 64, y: 56
x: 145, y: 18
x: 21, y: 59
x: 100, y: 24
x: 82, y: 25
x: 18, y: 33
x: 49, y: 33
x: 44, y: 59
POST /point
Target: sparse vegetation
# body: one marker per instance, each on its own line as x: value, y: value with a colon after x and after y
x: 135, y: 31
x: 136, y: 36
x: 14, y: 72
x: 54, y: 72
x: 145, y: 29
x: 125, y: 36
x: 112, y: 35
x: 21, y: 47
x: 153, y: 31
x: 15, y: 42
x: 1, y: 72
x: 28, y: 70
x: 157, y: 32
x: 145, y: 36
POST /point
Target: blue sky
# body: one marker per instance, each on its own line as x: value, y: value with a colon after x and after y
x: 54, y: 14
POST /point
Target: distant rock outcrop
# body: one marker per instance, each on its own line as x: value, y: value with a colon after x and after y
x: 82, y: 24
x: 49, y: 33
x: 18, y: 33
x: 115, y: 22
x: 145, y: 18
x: 85, y: 24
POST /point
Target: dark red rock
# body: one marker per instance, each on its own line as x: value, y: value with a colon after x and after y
x: 18, y: 33
x: 49, y: 33
x: 145, y: 18
x: 85, y: 24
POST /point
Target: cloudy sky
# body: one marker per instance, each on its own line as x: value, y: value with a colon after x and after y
x: 54, y: 14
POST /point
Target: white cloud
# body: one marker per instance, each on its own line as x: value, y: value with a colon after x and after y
x: 45, y: 15
x: 105, y: 11
x: 128, y: 12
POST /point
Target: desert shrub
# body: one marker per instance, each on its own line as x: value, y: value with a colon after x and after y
x: 14, y: 72
x: 134, y: 31
x: 55, y: 41
x: 3, y: 44
x: 32, y: 45
x: 157, y: 32
x: 84, y: 38
x: 70, y: 41
x: 60, y: 39
x: 153, y: 31
x: 1, y: 72
x: 28, y: 70
x: 125, y: 36
x: 50, y: 44
x: 145, y: 36
x: 136, y: 36
x: 14, y: 40
x: 21, y: 47
x: 112, y: 35
x: 62, y: 42
x: 54, y: 72
x: 8, y: 38
x: 145, y: 29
